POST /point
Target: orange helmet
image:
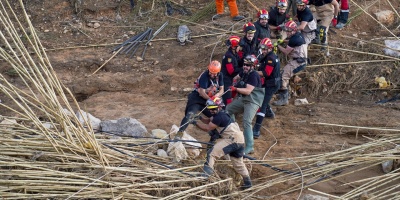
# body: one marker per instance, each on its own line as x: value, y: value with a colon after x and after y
x: 262, y: 14
x: 281, y: 4
x: 290, y: 26
x: 266, y: 43
x: 233, y: 41
x: 250, y: 59
x: 214, y: 67
x: 249, y: 28
x: 301, y: 2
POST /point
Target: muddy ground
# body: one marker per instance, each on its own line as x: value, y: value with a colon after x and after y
x: 153, y: 91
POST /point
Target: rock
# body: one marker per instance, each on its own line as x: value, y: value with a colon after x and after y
x: 177, y: 151
x: 162, y: 153
x: 366, y: 196
x: 124, y: 127
x: 385, y: 17
x: 393, y: 44
x: 192, y: 152
x: 159, y: 133
x: 138, y: 58
x: 48, y: 125
x: 299, y: 102
x: 96, y: 25
x: 313, y: 197
x: 387, y: 166
x: 9, y: 123
x: 156, y: 62
x: 94, y: 122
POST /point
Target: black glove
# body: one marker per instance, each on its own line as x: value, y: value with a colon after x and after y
x: 241, y: 84
x: 214, y: 134
x: 194, y: 122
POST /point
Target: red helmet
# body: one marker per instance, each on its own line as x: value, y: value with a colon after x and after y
x: 250, y: 59
x: 281, y: 4
x: 233, y: 41
x: 290, y: 26
x: 214, y: 67
x: 249, y: 28
x: 262, y: 14
x: 302, y: 2
x: 266, y: 43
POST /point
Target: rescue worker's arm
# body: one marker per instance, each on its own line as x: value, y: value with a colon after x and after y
x: 203, y: 93
x: 220, y: 92
x: 336, y: 6
x: 206, y: 127
x: 302, y: 25
x: 236, y: 78
x: 260, y: 73
x: 286, y: 50
x: 246, y: 91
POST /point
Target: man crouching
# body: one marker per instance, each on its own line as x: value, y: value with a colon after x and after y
x: 231, y: 140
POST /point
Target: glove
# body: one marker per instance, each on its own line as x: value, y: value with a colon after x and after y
x: 334, y: 21
x: 178, y: 135
x: 213, y: 98
x: 275, y: 44
x: 278, y: 28
x: 194, y: 122
x: 233, y: 88
x: 280, y: 41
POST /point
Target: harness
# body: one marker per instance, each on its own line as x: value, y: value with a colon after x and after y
x: 213, y: 89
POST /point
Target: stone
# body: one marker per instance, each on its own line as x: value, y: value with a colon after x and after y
x: 299, y: 102
x: 96, y: 25
x: 159, y: 133
x: 162, y: 153
x: 392, y: 44
x: 385, y: 17
x: 124, y: 127
x: 94, y: 122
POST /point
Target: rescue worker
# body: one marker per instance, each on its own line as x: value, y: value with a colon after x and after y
x: 269, y: 70
x: 277, y: 18
x: 250, y: 95
x: 296, y: 51
x: 247, y: 44
x: 232, y: 8
x: 262, y: 28
x: 326, y: 12
x: 210, y: 84
x: 343, y: 14
x: 231, y: 141
x: 307, y: 25
x: 230, y: 67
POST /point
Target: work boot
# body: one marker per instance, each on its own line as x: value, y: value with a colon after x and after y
x: 256, y: 129
x: 246, y: 183
x: 340, y: 25
x: 178, y: 135
x: 217, y: 16
x: 237, y: 18
x: 284, y: 100
x: 270, y: 113
x: 208, y: 170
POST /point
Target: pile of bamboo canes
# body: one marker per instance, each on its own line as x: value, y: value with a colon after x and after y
x: 70, y: 161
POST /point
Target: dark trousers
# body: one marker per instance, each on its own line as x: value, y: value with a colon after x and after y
x: 343, y: 17
x: 194, y: 105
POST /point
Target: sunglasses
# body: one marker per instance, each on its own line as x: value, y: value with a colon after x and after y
x: 249, y: 65
x: 213, y: 109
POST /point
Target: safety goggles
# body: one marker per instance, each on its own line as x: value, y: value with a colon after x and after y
x: 263, y: 46
x: 282, y: 5
x: 264, y: 16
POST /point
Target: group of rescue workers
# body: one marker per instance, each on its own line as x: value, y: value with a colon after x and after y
x: 250, y: 75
